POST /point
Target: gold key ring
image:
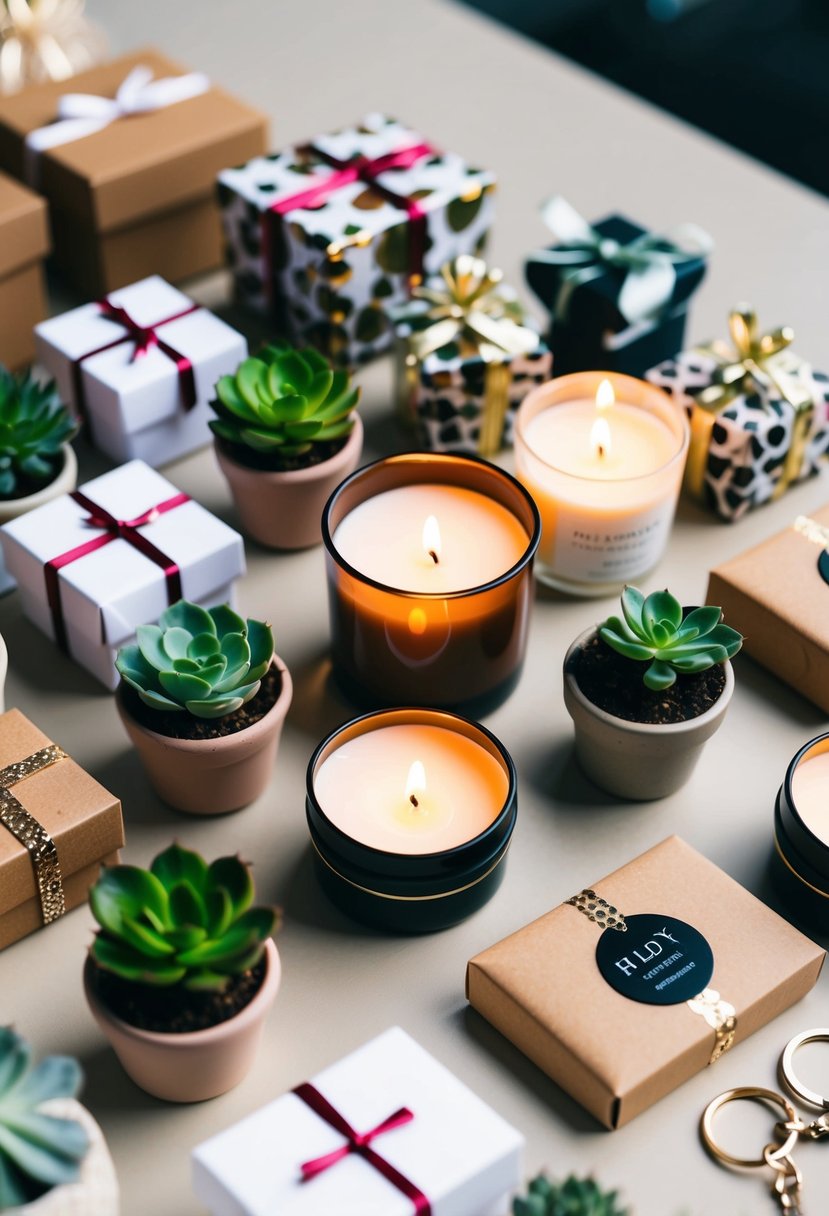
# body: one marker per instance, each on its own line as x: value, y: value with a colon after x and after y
x: 789, y: 1076
x: 771, y: 1152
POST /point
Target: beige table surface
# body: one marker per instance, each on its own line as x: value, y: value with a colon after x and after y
x: 544, y: 126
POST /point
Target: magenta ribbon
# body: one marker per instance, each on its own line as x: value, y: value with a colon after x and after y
x: 360, y: 1143
x: 361, y: 168
x: 144, y: 337
x: 111, y: 529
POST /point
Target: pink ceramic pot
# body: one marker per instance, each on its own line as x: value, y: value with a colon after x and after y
x: 212, y: 776
x: 195, y: 1066
x: 284, y: 510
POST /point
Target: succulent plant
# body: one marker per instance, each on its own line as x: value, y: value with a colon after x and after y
x: 284, y: 404
x: 34, y: 426
x: 38, y: 1151
x: 207, y: 662
x: 654, y: 631
x: 180, y: 922
x: 573, y: 1197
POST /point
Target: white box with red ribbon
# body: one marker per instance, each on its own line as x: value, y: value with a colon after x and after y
x: 94, y: 565
x: 386, y: 1131
x: 140, y: 367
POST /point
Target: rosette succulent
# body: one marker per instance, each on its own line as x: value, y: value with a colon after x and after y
x: 34, y: 426
x: 282, y: 405
x: 38, y: 1151
x: 654, y: 630
x: 573, y: 1197
x: 207, y: 662
x: 182, y: 922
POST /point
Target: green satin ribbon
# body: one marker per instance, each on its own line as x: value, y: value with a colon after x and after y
x: 648, y: 262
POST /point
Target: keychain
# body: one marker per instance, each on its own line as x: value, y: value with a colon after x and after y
x: 787, y: 1181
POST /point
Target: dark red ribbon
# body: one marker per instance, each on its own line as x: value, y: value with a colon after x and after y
x: 361, y: 168
x: 144, y: 337
x: 111, y: 529
x: 360, y: 1143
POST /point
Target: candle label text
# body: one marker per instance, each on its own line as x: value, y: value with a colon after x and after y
x: 610, y: 550
x: 659, y: 960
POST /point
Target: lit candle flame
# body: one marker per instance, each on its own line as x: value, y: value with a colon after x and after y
x: 416, y: 783
x: 431, y: 538
x: 605, y: 396
x: 600, y: 438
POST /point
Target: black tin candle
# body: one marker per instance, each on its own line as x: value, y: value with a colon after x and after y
x: 411, y: 813
x: 801, y: 834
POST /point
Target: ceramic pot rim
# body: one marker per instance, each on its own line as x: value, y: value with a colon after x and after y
x: 263, y: 997
x: 642, y: 728
x: 224, y: 742
x: 313, y: 473
x: 67, y: 472
x: 435, y: 458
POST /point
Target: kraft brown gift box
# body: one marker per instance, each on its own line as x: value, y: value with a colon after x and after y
x: 542, y: 988
x: 777, y: 595
x: 24, y: 242
x: 137, y: 197
x: 83, y: 819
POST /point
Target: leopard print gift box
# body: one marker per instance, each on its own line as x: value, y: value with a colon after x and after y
x: 759, y: 421
x: 331, y: 235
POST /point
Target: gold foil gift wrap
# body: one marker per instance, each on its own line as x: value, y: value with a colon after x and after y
x: 57, y: 826
x: 759, y: 415
x: 542, y: 987
x: 466, y: 359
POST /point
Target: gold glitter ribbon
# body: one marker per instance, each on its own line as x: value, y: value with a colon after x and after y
x: 31, y: 834
x: 45, y: 40
x: 708, y: 1004
x: 758, y: 363
x: 467, y: 308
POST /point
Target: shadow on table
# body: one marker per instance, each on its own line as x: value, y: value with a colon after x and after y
x: 785, y: 701
x: 519, y: 1068
x: 553, y: 772
x: 37, y: 663
x: 319, y: 704
x: 303, y: 900
x: 107, y: 1088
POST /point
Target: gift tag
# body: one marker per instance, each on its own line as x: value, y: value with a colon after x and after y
x: 659, y: 960
x: 823, y: 565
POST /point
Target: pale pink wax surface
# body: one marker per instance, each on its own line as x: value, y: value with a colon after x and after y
x: 382, y: 537
x: 361, y: 787
x: 810, y: 791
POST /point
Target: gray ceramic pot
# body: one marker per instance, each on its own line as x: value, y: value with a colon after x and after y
x: 635, y: 760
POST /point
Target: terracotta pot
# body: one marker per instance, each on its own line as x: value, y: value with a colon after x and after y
x: 212, y: 776
x: 96, y: 1191
x: 636, y: 760
x: 197, y: 1065
x: 64, y: 483
x: 284, y: 510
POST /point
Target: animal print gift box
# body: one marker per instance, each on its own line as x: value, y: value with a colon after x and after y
x: 759, y: 415
x: 331, y: 235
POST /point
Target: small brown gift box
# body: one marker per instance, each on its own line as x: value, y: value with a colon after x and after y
x: 24, y: 242
x: 81, y: 817
x: 777, y: 595
x: 137, y: 197
x: 542, y: 987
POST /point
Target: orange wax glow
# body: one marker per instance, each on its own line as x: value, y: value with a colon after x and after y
x: 372, y: 789
x: 810, y: 792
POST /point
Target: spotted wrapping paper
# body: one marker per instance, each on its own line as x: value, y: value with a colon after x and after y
x: 332, y: 272
x: 751, y: 437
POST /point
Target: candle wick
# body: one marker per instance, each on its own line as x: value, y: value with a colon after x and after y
x: 433, y: 556
x: 414, y: 801
x: 601, y: 452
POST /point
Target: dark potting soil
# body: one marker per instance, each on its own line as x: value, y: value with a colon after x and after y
x: 615, y: 684
x: 267, y: 462
x: 26, y: 486
x: 185, y: 726
x: 175, y: 1010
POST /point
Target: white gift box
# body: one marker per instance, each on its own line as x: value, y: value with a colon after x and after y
x: 456, y: 1150
x: 104, y: 595
x: 134, y: 402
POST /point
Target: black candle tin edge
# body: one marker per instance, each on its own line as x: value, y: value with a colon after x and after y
x: 807, y: 846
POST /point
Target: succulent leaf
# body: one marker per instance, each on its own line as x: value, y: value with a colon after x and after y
x: 204, y: 663
x: 34, y: 426
x: 573, y: 1197
x: 211, y: 931
x: 654, y: 631
x: 281, y: 404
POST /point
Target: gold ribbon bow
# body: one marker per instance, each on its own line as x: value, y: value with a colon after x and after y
x: 32, y: 835
x: 45, y: 40
x: 759, y: 363
x: 463, y: 305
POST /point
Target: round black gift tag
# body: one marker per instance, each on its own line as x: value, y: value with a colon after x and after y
x: 823, y: 565
x: 659, y: 961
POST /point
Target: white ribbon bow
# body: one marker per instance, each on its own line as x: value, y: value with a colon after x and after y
x: 82, y: 114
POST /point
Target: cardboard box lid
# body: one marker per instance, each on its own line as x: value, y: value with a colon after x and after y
x: 24, y: 228
x: 607, y: 1049
x: 139, y: 165
x: 83, y: 819
x: 456, y: 1150
x: 109, y: 592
